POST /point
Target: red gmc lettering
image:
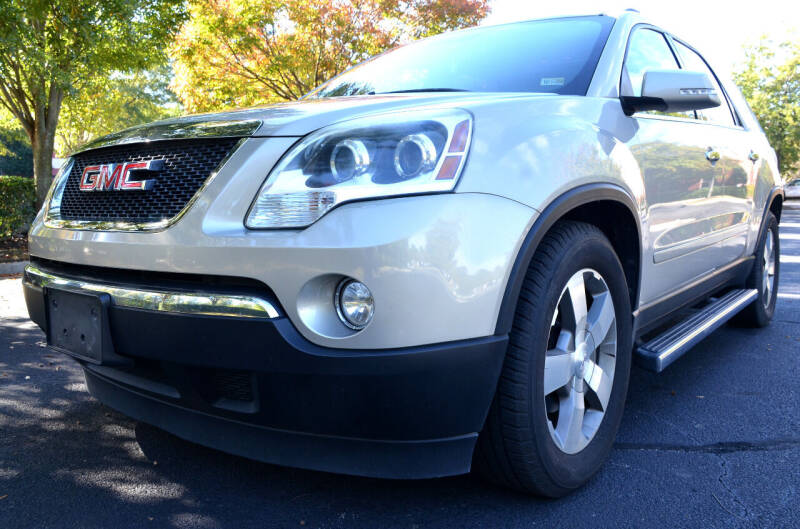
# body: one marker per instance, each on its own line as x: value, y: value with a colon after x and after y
x: 117, y: 177
x: 89, y: 178
x: 125, y: 184
x: 109, y: 176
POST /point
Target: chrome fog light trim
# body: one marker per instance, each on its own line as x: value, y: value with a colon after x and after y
x: 354, y: 304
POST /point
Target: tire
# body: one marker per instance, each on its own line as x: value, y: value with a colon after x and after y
x: 516, y: 448
x: 760, y: 312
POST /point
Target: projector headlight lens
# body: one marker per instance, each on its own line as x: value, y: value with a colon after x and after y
x: 350, y: 158
x: 413, y: 155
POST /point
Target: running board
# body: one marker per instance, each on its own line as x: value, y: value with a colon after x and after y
x: 670, y: 345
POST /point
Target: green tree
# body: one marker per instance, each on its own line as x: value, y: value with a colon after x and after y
x: 49, y: 49
x: 241, y: 52
x: 112, y: 103
x: 770, y: 80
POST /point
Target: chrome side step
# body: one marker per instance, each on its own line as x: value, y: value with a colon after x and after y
x: 670, y: 345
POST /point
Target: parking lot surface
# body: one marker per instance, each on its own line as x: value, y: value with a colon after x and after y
x: 714, y: 441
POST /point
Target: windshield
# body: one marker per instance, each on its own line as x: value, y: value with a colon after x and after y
x: 556, y: 55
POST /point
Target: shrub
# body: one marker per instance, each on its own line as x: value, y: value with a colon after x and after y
x: 17, y: 198
x: 16, y: 156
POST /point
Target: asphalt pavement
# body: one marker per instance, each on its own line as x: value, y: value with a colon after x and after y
x: 714, y: 441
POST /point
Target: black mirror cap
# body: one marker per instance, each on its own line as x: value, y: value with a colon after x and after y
x: 633, y: 104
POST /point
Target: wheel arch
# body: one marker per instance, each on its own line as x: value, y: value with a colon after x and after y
x: 607, y: 206
x: 775, y: 203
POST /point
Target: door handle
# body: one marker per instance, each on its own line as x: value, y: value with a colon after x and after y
x: 712, y: 155
x: 753, y: 156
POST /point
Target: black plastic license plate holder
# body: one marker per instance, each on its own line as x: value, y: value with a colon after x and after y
x: 78, y: 325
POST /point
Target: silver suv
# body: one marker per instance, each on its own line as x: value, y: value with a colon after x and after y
x: 445, y: 258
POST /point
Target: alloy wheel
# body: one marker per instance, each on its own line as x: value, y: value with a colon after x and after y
x: 580, y: 361
x: 768, y: 262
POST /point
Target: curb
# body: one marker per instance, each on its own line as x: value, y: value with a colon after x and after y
x: 16, y: 267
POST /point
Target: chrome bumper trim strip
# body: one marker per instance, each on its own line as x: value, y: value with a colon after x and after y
x: 206, y: 304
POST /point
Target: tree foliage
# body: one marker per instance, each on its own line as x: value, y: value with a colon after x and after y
x: 770, y: 80
x: 16, y: 205
x: 15, y: 149
x: 49, y: 49
x: 116, y: 102
x: 241, y: 52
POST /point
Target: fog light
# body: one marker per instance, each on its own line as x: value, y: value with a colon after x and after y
x: 354, y: 304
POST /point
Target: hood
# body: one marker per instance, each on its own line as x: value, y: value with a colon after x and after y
x: 294, y: 119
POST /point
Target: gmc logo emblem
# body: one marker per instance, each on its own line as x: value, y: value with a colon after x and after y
x: 120, y: 177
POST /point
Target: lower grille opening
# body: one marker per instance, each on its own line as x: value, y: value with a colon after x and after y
x: 227, y: 389
x: 233, y: 385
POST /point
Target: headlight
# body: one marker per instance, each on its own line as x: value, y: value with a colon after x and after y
x: 378, y: 156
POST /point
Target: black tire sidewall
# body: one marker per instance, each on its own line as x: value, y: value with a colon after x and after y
x: 765, y: 312
x: 566, y: 470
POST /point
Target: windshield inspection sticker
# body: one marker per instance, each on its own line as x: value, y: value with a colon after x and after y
x: 552, y: 81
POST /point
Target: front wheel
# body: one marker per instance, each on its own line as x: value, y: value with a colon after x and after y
x: 562, y: 390
x: 764, y: 277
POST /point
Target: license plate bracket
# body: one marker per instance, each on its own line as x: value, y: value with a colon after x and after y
x: 77, y: 324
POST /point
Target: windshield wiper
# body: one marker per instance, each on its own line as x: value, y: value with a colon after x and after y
x: 422, y: 90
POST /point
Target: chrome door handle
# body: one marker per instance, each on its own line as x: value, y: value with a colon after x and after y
x: 753, y: 156
x: 712, y: 155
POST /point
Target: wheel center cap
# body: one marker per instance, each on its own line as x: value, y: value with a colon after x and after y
x: 584, y: 356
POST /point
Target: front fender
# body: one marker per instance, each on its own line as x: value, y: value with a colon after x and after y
x: 535, y: 151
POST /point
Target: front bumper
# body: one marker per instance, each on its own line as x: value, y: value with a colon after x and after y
x: 255, y: 387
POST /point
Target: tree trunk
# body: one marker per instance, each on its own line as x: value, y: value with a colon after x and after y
x: 42, y: 146
x: 42, y: 142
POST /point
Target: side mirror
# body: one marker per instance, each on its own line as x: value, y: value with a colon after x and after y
x: 673, y: 91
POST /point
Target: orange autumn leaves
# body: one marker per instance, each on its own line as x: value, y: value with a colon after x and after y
x: 235, y: 53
